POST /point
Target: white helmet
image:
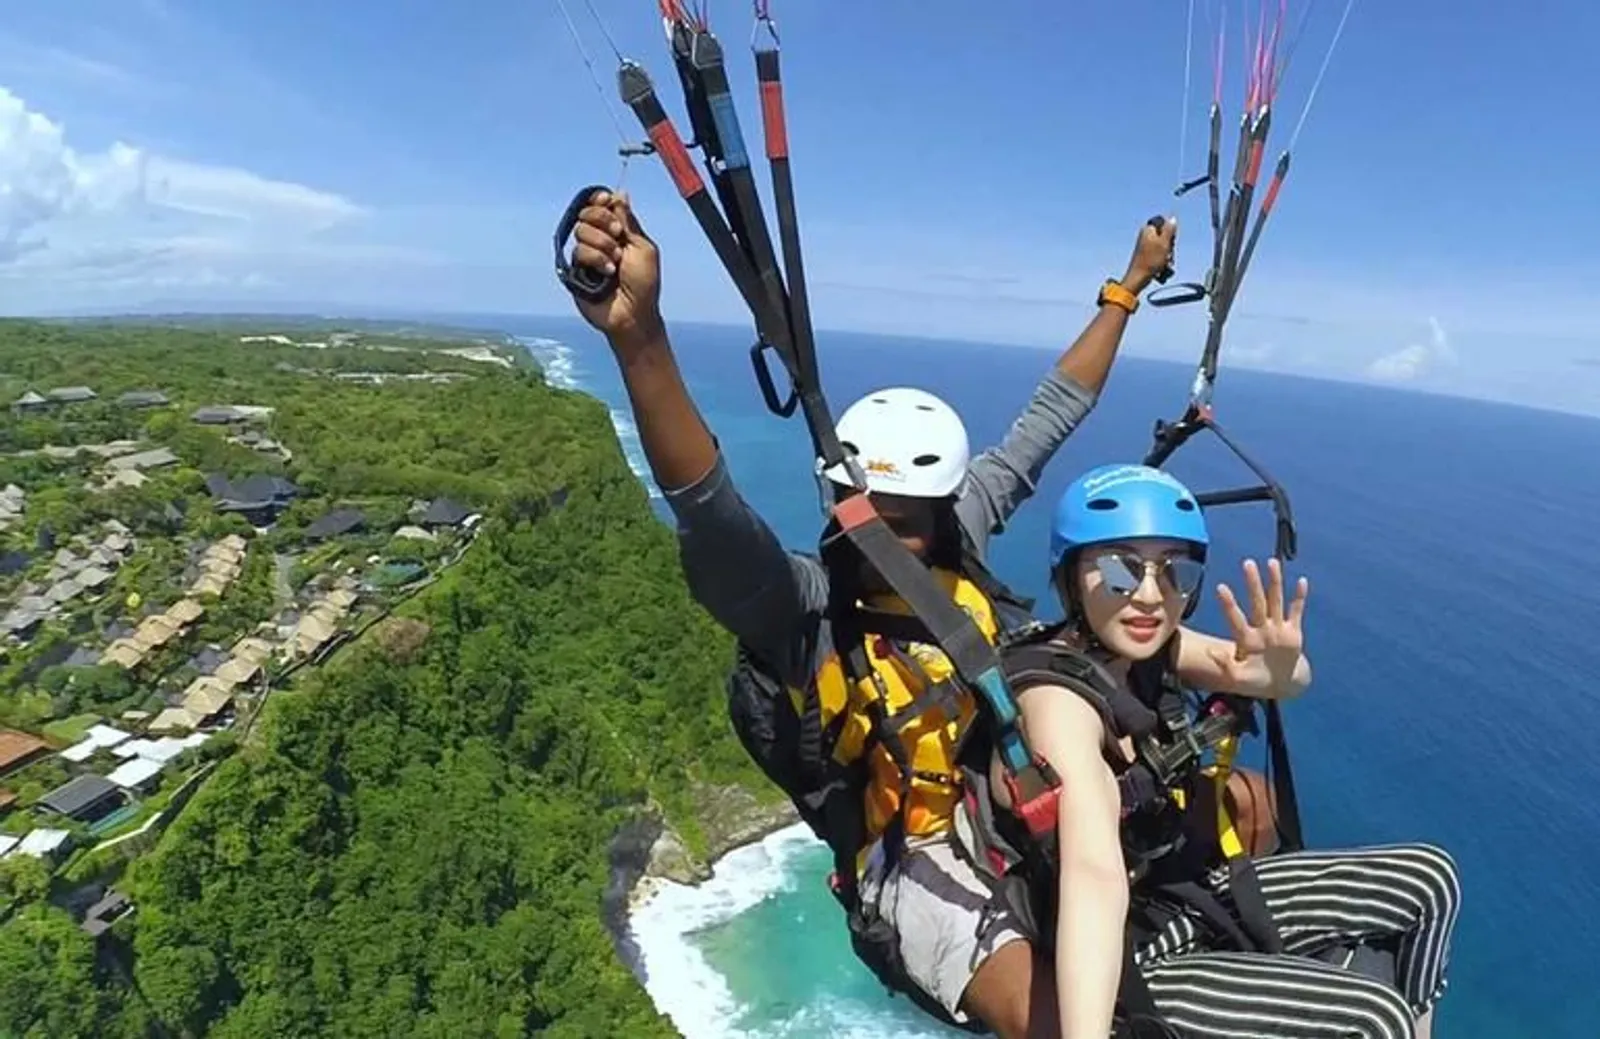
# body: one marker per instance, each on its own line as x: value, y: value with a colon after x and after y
x: 907, y: 442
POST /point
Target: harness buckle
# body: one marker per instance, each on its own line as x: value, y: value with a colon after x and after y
x: 1040, y: 810
x: 1041, y: 813
x: 1165, y: 762
x: 1192, y: 743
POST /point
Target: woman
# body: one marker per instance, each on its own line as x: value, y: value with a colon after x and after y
x: 1128, y: 552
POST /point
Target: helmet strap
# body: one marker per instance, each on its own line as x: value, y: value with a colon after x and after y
x: 826, y: 491
x: 946, y: 551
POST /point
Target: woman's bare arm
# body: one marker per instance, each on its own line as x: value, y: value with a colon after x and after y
x: 1092, y: 900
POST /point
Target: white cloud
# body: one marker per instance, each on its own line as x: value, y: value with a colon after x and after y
x: 42, y: 180
x: 1250, y: 353
x: 239, y: 195
x: 25, y: 58
x: 62, y: 209
x: 1416, y: 360
x: 1400, y: 366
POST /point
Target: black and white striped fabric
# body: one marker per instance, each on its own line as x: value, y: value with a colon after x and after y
x: 1406, y: 896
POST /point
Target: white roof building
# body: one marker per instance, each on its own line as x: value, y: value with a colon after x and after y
x: 135, y: 772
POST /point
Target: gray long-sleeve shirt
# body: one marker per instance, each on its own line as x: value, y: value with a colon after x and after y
x: 773, y: 600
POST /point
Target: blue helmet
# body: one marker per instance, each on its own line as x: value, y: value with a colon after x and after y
x: 1123, y: 502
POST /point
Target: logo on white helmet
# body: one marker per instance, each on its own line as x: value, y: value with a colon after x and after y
x: 883, y: 469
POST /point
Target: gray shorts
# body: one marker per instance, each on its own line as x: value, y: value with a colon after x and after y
x: 944, y: 913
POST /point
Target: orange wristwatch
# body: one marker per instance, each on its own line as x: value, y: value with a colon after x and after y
x: 1113, y: 291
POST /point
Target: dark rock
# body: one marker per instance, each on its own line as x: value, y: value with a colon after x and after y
x: 629, y: 855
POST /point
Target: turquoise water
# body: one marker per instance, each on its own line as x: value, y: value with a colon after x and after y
x: 1449, y: 546
x: 759, y: 951
x: 818, y: 990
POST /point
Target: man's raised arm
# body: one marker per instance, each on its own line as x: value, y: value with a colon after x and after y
x: 1004, y: 477
x: 734, y: 564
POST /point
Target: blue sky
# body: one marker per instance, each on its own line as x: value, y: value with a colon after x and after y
x: 962, y: 172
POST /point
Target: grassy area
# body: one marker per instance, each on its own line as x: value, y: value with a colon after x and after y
x: 71, y: 730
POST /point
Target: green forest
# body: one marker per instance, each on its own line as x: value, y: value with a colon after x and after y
x: 414, y: 839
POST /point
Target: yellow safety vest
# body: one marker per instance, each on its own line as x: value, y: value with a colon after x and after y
x: 931, y: 740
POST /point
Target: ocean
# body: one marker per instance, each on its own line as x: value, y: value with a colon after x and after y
x: 1452, y: 625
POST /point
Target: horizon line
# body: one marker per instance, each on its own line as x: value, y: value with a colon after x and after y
x: 356, y: 312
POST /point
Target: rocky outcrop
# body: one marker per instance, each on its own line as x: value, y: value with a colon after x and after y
x: 729, y: 816
x: 646, y: 849
x: 732, y: 817
x: 671, y: 860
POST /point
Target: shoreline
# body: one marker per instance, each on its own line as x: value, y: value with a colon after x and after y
x: 671, y: 934
x: 646, y: 856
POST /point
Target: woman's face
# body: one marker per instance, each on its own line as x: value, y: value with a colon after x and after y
x: 1134, y: 593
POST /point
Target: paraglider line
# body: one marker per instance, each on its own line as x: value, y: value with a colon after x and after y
x: 1294, y: 43
x: 1221, y: 58
x: 588, y: 63
x: 1321, y: 73
x: 601, y: 24
x: 1188, y: 79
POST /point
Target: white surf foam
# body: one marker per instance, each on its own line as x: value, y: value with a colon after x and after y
x: 556, y: 358
x: 680, y: 981
x: 633, y: 449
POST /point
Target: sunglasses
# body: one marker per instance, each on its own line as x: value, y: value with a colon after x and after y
x: 1123, y: 572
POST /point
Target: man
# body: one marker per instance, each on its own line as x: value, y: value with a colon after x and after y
x: 914, y: 450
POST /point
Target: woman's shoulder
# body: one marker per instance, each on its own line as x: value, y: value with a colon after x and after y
x: 1056, y: 655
